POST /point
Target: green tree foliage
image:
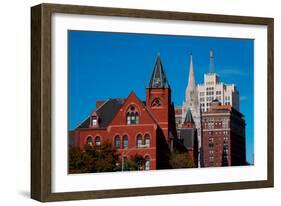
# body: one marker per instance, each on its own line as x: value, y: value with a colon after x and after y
x: 102, y: 158
x: 136, y: 162
x: 181, y: 160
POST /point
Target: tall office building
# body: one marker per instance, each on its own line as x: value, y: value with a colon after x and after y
x: 223, y: 136
x: 212, y: 88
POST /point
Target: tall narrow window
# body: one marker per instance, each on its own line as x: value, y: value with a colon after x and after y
x: 137, y: 117
x: 128, y: 117
x: 133, y: 118
x: 147, y: 164
x: 132, y: 115
x: 117, y: 141
x: 97, y: 141
x: 94, y: 120
x: 147, y: 140
x: 139, y: 140
x: 90, y: 141
x: 125, y: 141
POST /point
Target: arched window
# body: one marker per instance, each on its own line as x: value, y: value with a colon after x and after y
x: 139, y: 140
x: 117, y: 141
x: 97, y: 141
x: 147, y: 163
x: 132, y: 115
x: 90, y: 141
x: 125, y: 142
x: 147, y: 140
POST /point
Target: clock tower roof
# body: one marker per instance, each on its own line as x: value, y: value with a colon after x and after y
x: 158, y: 78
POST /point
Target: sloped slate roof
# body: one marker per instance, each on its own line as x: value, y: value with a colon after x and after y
x: 158, y: 78
x: 187, y: 136
x: 105, y: 112
x: 188, y: 116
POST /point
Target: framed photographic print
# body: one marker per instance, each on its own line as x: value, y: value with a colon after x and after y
x: 130, y: 102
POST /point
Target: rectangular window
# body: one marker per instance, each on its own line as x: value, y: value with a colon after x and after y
x: 94, y: 122
x: 117, y: 143
x: 128, y: 119
x: 139, y: 142
x: 147, y: 142
x: 125, y: 144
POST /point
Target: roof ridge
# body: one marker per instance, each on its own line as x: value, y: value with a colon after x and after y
x: 92, y: 111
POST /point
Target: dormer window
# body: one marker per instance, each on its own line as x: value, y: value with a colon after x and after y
x: 132, y: 116
x: 94, y: 121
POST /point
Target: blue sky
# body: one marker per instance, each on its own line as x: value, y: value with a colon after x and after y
x: 106, y: 65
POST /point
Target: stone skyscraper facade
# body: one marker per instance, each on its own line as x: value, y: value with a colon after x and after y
x: 213, y: 89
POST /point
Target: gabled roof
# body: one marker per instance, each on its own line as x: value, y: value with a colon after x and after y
x: 105, y: 112
x: 188, y: 117
x: 158, y: 78
x: 133, y: 96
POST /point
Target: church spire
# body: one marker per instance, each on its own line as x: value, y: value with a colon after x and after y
x: 191, y: 87
x: 158, y: 78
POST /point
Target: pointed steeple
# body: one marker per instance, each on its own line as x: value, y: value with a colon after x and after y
x: 191, y: 87
x: 158, y: 78
x: 188, y: 117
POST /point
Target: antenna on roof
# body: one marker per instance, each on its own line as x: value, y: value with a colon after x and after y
x: 212, y: 65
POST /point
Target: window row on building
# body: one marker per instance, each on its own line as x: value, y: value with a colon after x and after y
x: 141, y: 142
x: 96, y: 142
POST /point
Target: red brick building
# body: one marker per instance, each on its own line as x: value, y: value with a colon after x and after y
x: 133, y: 126
x: 223, y: 138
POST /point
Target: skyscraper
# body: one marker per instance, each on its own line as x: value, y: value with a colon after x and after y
x: 198, y: 98
x: 212, y: 88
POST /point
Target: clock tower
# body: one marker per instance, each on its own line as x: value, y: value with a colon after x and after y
x: 158, y: 98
